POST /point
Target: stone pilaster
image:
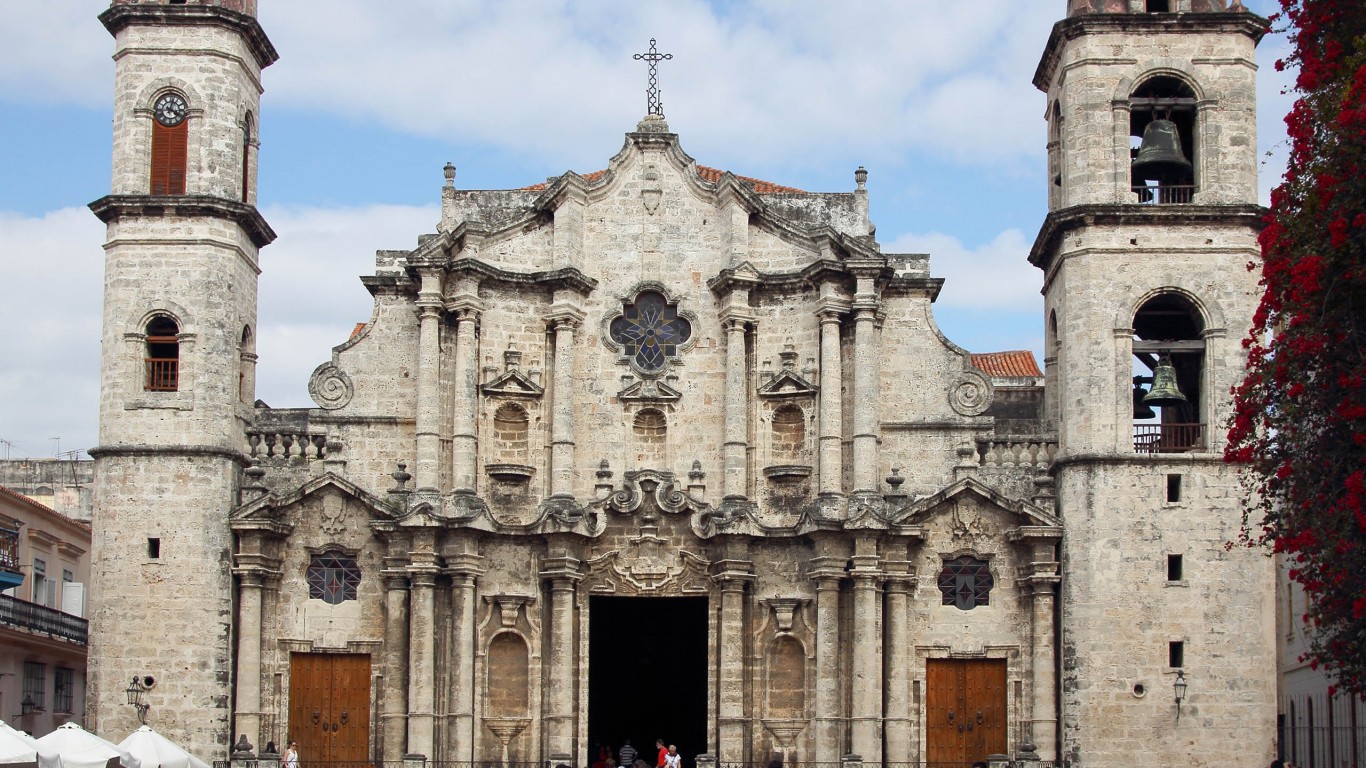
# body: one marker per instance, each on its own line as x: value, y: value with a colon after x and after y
x: 464, y: 571
x: 563, y: 574
x: 733, y: 578
x: 736, y: 448
x: 897, y: 641
x: 564, y: 321
x: 831, y: 456
x: 866, y: 683
x: 422, y: 648
x: 247, y: 716
x: 866, y: 399
x: 464, y: 440
x: 826, y: 573
x: 1042, y: 625
x: 394, y: 713
x: 429, y: 381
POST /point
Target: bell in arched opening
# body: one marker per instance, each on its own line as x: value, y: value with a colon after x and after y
x: 1164, y: 391
x: 1160, y: 157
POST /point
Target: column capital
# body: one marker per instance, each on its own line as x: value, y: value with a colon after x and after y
x: 394, y: 581
x: 562, y: 569
x: 831, y: 309
x: 732, y: 575
x: 420, y: 576
x: 563, y: 315
x: 429, y: 308
x: 733, y: 319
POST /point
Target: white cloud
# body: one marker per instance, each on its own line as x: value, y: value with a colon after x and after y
x: 994, y: 276
x: 56, y: 53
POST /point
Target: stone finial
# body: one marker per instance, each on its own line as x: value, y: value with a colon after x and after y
x: 789, y: 355
x: 401, y: 478
x: 242, y: 747
x: 652, y: 124
x: 696, y: 474
x: 512, y: 358
x: 449, y: 172
x: 861, y: 178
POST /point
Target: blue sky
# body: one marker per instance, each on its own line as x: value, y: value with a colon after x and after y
x: 369, y: 101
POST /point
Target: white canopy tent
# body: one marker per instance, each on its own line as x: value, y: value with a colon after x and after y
x: 156, y: 751
x: 19, y: 749
x: 80, y: 748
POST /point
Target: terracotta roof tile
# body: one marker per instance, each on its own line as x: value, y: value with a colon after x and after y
x: 20, y: 498
x: 711, y: 175
x: 356, y: 331
x: 1013, y: 364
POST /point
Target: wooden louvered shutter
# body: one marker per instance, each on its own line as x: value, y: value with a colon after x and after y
x: 170, y: 147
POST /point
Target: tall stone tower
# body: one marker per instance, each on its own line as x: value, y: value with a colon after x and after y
x: 177, y: 363
x: 1152, y: 222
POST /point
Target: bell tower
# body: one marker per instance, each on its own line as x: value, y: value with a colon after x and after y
x: 177, y: 362
x: 1152, y: 189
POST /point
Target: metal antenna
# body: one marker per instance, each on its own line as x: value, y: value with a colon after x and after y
x: 653, y: 106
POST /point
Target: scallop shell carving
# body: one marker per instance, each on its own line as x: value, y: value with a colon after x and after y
x: 330, y: 387
x: 970, y: 394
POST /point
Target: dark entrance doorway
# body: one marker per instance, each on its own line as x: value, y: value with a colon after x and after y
x: 647, y: 675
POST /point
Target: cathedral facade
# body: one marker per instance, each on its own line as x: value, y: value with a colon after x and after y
x: 663, y: 428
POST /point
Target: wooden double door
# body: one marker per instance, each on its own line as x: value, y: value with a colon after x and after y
x: 329, y: 707
x: 965, y: 710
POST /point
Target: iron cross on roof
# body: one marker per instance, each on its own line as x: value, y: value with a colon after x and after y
x: 653, y: 105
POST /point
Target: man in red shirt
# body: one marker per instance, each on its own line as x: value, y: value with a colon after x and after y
x: 663, y: 753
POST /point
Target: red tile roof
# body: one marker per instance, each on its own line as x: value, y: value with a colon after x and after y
x: 356, y: 331
x: 707, y: 174
x: 1013, y: 364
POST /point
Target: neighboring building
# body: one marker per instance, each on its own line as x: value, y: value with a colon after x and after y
x: 663, y: 450
x: 45, y: 565
x: 1316, y: 729
x: 62, y: 484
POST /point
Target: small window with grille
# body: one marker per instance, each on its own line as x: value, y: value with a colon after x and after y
x: 966, y: 583
x: 35, y: 679
x: 63, y: 696
x: 333, y: 577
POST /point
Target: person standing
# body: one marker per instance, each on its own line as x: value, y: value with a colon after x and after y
x: 627, y: 754
x: 290, y: 759
x: 673, y: 759
x: 661, y: 753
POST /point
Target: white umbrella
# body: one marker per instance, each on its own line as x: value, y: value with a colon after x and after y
x: 18, y: 748
x: 80, y: 748
x: 156, y: 751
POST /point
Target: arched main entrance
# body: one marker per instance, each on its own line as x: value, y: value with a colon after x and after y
x: 647, y: 674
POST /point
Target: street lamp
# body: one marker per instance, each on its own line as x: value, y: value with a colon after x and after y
x: 134, y: 691
x: 1180, y: 687
x: 27, y: 706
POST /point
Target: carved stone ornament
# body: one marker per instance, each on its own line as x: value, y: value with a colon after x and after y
x: 651, y: 332
x: 330, y: 387
x: 970, y: 394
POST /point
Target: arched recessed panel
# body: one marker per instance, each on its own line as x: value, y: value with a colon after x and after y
x: 509, y: 676
x: 786, y: 679
x: 511, y: 430
x: 789, y: 435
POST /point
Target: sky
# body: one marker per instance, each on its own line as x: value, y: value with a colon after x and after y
x: 369, y: 100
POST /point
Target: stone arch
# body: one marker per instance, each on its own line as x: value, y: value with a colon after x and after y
x: 136, y: 323
x: 154, y: 90
x: 1173, y: 68
x: 1211, y: 315
x: 509, y: 676
x: 788, y: 432
x: 511, y: 434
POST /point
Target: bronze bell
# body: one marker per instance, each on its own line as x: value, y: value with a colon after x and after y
x: 1160, y: 157
x: 1141, y: 409
x: 1164, y: 391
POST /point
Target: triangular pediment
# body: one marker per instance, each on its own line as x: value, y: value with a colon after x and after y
x: 513, y: 384
x: 788, y: 383
x: 650, y: 391
x: 269, y: 509
x: 1024, y: 514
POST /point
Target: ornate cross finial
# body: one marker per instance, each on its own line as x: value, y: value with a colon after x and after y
x: 653, y: 57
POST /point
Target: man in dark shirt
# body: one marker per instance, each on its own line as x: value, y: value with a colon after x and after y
x: 627, y: 755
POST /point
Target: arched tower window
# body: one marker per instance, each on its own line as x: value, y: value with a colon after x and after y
x: 1169, y: 354
x: 246, y: 370
x: 163, y: 355
x: 1162, y: 141
x: 170, y: 144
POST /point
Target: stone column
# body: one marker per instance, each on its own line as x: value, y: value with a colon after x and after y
x: 831, y: 456
x: 428, y: 470
x: 464, y: 439
x: 422, y: 659
x: 865, y: 399
x: 563, y: 573
x: 866, y: 699
x: 464, y: 574
x: 248, y: 713
x: 562, y: 414
x: 897, y: 641
x: 826, y: 573
x: 736, y: 456
x: 731, y: 715
x: 394, y: 714
x: 1045, y: 679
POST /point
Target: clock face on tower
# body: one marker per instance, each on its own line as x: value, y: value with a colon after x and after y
x: 170, y: 109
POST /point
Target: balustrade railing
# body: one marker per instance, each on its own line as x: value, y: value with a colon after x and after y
x: 1016, y: 453
x: 1170, y: 194
x: 1169, y: 438
x: 21, y: 614
x: 9, y: 549
x: 285, y: 444
x: 163, y: 374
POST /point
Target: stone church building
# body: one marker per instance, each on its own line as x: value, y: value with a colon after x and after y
x: 660, y: 450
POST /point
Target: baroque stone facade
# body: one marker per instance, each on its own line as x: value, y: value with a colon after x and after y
x: 663, y: 423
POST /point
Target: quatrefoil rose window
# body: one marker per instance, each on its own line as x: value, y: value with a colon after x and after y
x: 650, y: 331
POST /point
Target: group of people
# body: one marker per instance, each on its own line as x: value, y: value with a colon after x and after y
x: 628, y: 757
